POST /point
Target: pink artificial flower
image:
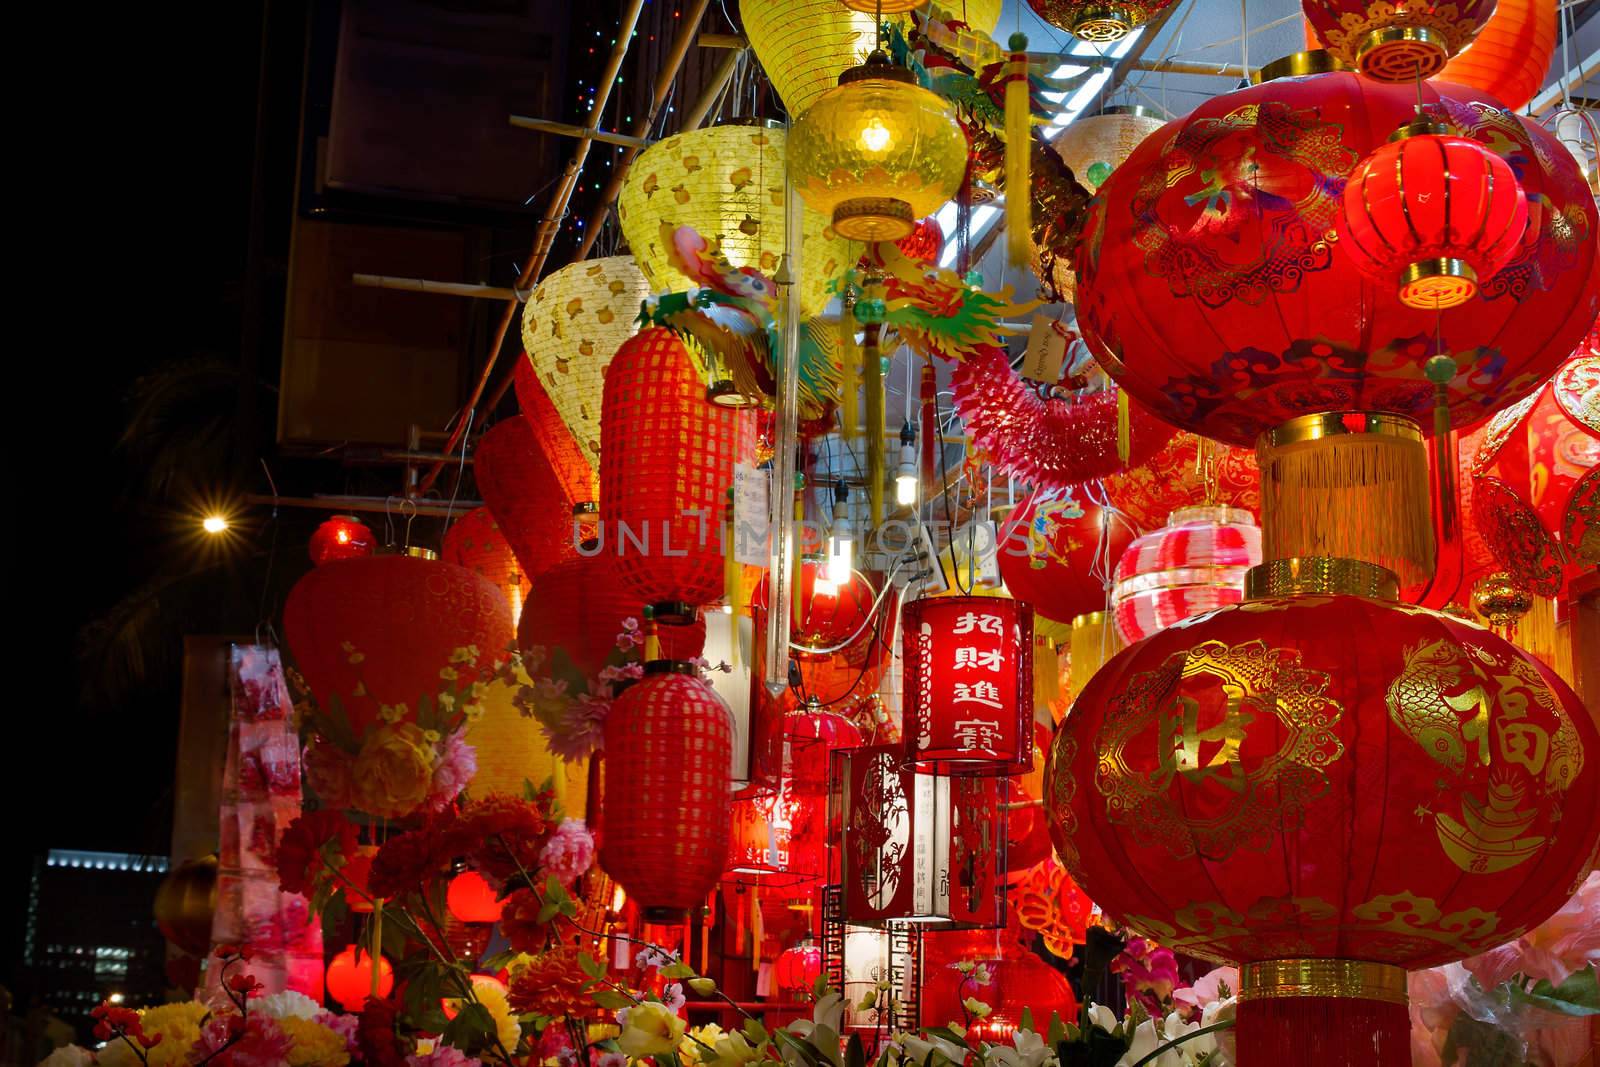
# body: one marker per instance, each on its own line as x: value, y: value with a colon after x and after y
x: 580, y: 728
x: 327, y: 769
x: 672, y: 996
x: 569, y: 852
x: 631, y: 636
x: 1149, y: 973
x: 1207, y: 989
x: 346, y: 1026
x: 443, y: 1056
x: 457, y: 763
x: 264, y: 1043
x: 1566, y: 942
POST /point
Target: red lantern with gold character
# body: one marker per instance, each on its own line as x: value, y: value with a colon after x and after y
x: 666, y: 462
x: 969, y: 684
x: 1397, y: 40
x: 1257, y: 786
x: 668, y: 790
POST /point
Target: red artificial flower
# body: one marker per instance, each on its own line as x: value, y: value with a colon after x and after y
x: 380, y: 1046
x: 300, y: 856
x: 505, y: 834
x: 519, y: 922
x: 407, y: 862
x: 552, y: 984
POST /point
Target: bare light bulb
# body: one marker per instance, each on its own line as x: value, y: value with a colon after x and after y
x: 841, y: 559
x: 905, y: 479
x: 875, y: 135
x: 214, y: 524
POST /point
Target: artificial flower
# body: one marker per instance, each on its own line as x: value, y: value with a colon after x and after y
x: 569, y: 853
x: 704, y: 987
x: 1104, y: 1018
x: 552, y: 984
x: 505, y: 834
x: 1222, y: 1011
x: 494, y: 999
x: 520, y: 923
x: 69, y: 1056
x: 1149, y: 973
x: 314, y: 1044
x: 574, y: 727
x: 1218, y: 984
x: 1027, y: 1049
x: 443, y: 1056
x: 611, y: 1059
x: 700, y: 1040
x: 976, y: 1008
x: 237, y: 1041
x: 301, y: 849
x: 346, y: 1026
x: 285, y: 1005
x: 375, y: 1032
x: 178, y: 1026
x: 392, y: 772
x: 407, y: 861
x: 651, y: 1029
x: 327, y: 771
x: 456, y: 764
x: 655, y: 956
x: 672, y: 996
x: 733, y: 1049
x: 912, y: 1050
x: 1568, y: 941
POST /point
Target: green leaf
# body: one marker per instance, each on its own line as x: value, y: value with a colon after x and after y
x: 529, y: 793
x: 611, y: 999
x: 1026, y: 1022
x: 678, y: 970
x: 1578, y: 995
x: 547, y: 911
x: 591, y: 966
x: 497, y: 962
x: 819, y: 988
x: 1057, y: 1032
x: 471, y: 1029
x: 754, y: 1032
x: 946, y: 1034
x: 854, y: 1054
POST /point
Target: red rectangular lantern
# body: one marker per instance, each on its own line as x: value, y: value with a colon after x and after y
x: 969, y: 685
x: 917, y: 847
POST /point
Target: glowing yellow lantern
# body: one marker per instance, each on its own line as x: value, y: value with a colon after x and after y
x: 878, y: 152
x: 804, y: 45
x: 882, y: 7
x: 572, y: 325
x: 511, y: 748
x: 727, y: 182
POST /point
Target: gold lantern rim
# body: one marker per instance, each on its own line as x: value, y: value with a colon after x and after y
x: 1402, y: 53
x: 1333, y: 978
x: 1320, y: 576
x: 877, y: 67
x: 1298, y: 65
x: 1438, y: 283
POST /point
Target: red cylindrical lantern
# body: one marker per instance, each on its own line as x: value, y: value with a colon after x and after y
x: 341, y: 537
x: 969, y: 684
x: 796, y: 969
x: 477, y: 543
x: 1256, y: 786
x: 1195, y: 563
x: 1396, y: 40
x: 368, y: 632
x: 472, y: 899
x: 1056, y: 553
x: 579, y: 607
x: 667, y: 458
x: 528, y: 501
x: 350, y: 978
x: 668, y: 768
x: 1511, y: 56
x: 1430, y: 215
x: 1190, y: 470
x: 1535, y: 482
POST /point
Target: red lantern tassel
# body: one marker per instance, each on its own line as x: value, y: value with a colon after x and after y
x: 1333, y: 1013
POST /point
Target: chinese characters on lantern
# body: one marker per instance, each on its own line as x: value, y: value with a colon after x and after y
x: 969, y: 669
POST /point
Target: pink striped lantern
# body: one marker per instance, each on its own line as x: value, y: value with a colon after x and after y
x: 1193, y: 564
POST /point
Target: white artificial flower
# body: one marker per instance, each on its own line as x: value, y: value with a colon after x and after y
x: 1145, y: 1041
x: 286, y: 1005
x: 68, y: 1056
x: 1029, y: 1050
x: 1221, y: 1011
x: 1103, y: 1017
x: 917, y: 1050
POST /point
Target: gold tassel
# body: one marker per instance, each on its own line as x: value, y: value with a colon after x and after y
x: 850, y: 376
x: 757, y: 929
x: 796, y: 571
x: 652, y: 640
x: 1094, y: 640
x: 877, y: 464
x: 1539, y: 634
x: 732, y: 582
x: 1352, y: 485
x: 1019, y: 150
x: 1046, y: 672
x: 1124, y: 430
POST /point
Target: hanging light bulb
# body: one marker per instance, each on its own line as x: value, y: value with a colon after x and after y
x: 841, y: 553
x: 905, y: 479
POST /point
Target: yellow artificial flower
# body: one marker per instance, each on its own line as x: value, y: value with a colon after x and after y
x: 447, y: 701
x: 391, y: 774
x: 492, y: 995
x: 977, y: 1008
x: 652, y: 1029
x: 179, y: 1027
x: 448, y: 674
x: 473, y: 712
x: 696, y: 1041
x: 734, y: 1050
x: 315, y: 1045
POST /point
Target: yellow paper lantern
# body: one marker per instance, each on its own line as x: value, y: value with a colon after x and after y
x: 982, y: 15
x: 882, y: 7
x: 511, y: 747
x: 878, y: 152
x: 727, y: 182
x: 572, y: 325
x: 804, y: 45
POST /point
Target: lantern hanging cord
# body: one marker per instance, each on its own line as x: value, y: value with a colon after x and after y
x: 263, y: 617
x: 461, y: 472
x: 877, y: 604
x: 944, y: 490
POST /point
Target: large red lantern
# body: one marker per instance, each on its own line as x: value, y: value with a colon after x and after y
x: 477, y: 543
x: 368, y: 632
x: 1056, y: 553
x: 1536, y: 478
x: 1258, y: 787
x: 1195, y: 563
x: 1427, y: 215
x: 1512, y: 54
x: 796, y: 969
x: 341, y: 537
x: 1190, y: 470
x: 526, y: 498
x: 579, y: 606
x: 969, y: 684
x: 667, y: 459
x: 1396, y: 40
x: 839, y: 639
x: 471, y: 898
x: 350, y: 978
x: 668, y: 790
x: 576, y: 471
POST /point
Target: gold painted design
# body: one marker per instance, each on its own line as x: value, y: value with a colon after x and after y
x: 1320, y: 576
x: 1453, y: 26
x: 1343, y: 979
x: 1174, y: 736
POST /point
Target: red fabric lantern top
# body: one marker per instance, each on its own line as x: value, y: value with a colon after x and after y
x: 1396, y: 40
x: 1057, y: 550
x: 1211, y: 287
x: 969, y: 684
x: 579, y: 607
x: 669, y: 788
x: 1535, y: 483
x: 367, y: 632
x: 527, y: 500
x: 1255, y: 785
x: 1178, y: 477
x: 341, y: 537
x: 667, y: 458
x: 1429, y: 215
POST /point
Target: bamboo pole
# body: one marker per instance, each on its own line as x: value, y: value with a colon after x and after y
x: 567, y: 129
x: 425, y: 285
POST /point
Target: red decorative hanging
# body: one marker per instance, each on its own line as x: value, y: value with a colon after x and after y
x: 1189, y: 470
x: 526, y: 498
x: 1256, y: 787
x: 1429, y: 215
x: 1194, y: 564
x: 477, y: 543
x: 969, y: 684
x: 341, y: 537
x: 777, y: 839
x: 924, y: 243
x: 1209, y: 290
x: 368, y: 632
x: 472, y: 899
x: 1535, y: 482
x: 667, y: 458
x: 578, y: 474
x: 1056, y: 553
x: 579, y: 606
x: 840, y: 647
x: 668, y: 790
x: 1048, y: 902
x: 350, y: 978
x: 797, y: 969
x: 1396, y: 40
x: 1053, y: 440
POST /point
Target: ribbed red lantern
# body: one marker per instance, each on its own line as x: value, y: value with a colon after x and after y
x: 1195, y: 563
x: 796, y: 969
x: 1056, y: 553
x: 666, y: 462
x: 1511, y: 56
x: 526, y: 498
x: 1190, y: 470
x: 668, y: 782
x: 341, y: 537
x: 366, y: 632
x: 477, y: 543
x: 1535, y: 482
x: 578, y: 474
x: 471, y: 898
x: 924, y: 243
x: 350, y: 978
x: 579, y: 607
x: 1397, y: 40
x: 969, y: 684
x: 1430, y: 215
x: 1210, y: 291
x: 1256, y: 786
